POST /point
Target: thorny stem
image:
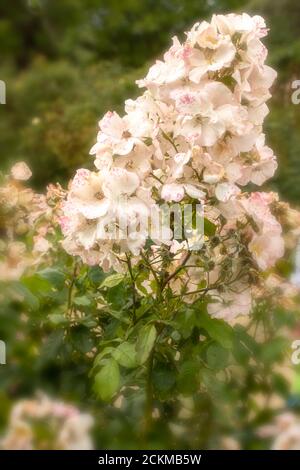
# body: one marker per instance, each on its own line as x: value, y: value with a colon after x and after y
x: 71, y: 286
x: 151, y: 269
x: 133, y: 286
x: 198, y: 291
x: 149, y: 386
x: 149, y: 394
x: 171, y: 276
x: 161, y: 284
x: 168, y: 138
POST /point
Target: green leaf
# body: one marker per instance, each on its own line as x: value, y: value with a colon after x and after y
x: 188, y: 377
x: 185, y: 323
x: 107, y: 381
x: 89, y: 322
x: 119, y: 316
x: 245, y: 345
x: 25, y: 295
x: 229, y: 81
x: 54, y: 276
x: 218, y: 330
x: 212, y: 383
x: 144, y: 308
x: 209, y: 228
x: 117, y: 296
x: 83, y: 301
x: 99, y: 358
x: 96, y: 274
x: 281, y: 385
x: 143, y: 275
x: 112, y: 281
x: 38, y: 286
x: 145, y: 342
x: 125, y: 355
x: 81, y: 339
x: 296, y: 383
x: 57, y: 319
x: 52, y: 345
x: 217, y: 357
x: 274, y: 350
x: 164, y: 378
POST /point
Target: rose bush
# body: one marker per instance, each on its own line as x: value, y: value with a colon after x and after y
x: 179, y: 332
x: 194, y: 135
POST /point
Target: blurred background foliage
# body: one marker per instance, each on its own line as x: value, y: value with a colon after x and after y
x: 67, y: 62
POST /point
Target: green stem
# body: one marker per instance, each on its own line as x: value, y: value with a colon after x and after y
x: 70, y: 292
x: 133, y: 287
x: 182, y: 266
x: 149, y: 394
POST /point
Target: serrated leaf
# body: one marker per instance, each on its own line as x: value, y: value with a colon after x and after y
x: 125, y: 354
x: 217, y: 329
x: 213, y: 385
x: 82, y: 301
x: 145, y: 342
x: 112, y: 281
x: 164, y: 378
x: 57, y: 318
x: 209, y: 227
x: 89, y: 322
x: 52, y: 345
x: 82, y: 339
x: 52, y: 275
x: 245, y: 345
x: 107, y: 380
x: 274, y: 350
x: 38, y: 286
x: 96, y: 274
x: 188, y: 377
x: 217, y: 357
x: 105, y: 352
x: 25, y: 295
x: 185, y: 322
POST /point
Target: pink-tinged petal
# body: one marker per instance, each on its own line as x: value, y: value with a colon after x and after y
x: 112, y: 125
x: 225, y: 191
x: 120, y: 182
x: 194, y: 192
x: 124, y: 146
x: 172, y: 192
x: 20, y: 171
x: 87, y: 236
x: 95, y: 209
x: 266, y: 249
x: 213, y: 173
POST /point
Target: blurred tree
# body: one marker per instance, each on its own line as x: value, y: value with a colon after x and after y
x: 132, y: 31
x: 66, y: 63
x: 283, y: 42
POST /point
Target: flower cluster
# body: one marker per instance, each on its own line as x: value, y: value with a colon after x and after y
x: 27, y: 223
x: 42, y: 423
x: 285, y: 431
x: 193, y: 137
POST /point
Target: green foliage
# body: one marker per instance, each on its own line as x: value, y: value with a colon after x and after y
x: 82, y: 322
x: 145, y: 342
x: 112, y: 281
x: 107, y: 380
x: 67, y: 63
x: 126, y: 355
x: 56, y: 107
x: 218, y: 330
